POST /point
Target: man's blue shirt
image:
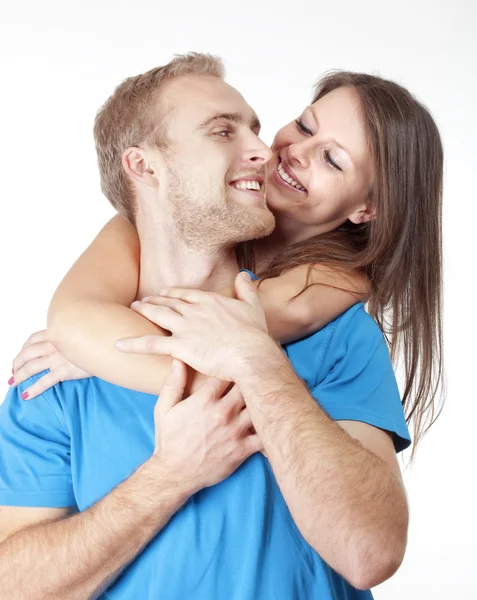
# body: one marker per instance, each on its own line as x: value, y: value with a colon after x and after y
x: 237, y: 540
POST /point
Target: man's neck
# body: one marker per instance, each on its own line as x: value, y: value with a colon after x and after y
x: 168, y: 262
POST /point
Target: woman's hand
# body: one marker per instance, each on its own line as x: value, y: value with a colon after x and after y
x: 38, y: 355
x: 211, y: 333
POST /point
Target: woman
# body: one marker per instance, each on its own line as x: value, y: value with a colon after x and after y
x: 355, y: 187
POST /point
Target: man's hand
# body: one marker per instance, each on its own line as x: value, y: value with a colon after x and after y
x: 210, y: 332
x: 201, y: 440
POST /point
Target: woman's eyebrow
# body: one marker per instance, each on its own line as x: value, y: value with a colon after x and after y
x: 310, y: 110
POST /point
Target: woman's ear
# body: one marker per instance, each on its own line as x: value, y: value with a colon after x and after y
x: 137, y: 166
x: 363, y: 214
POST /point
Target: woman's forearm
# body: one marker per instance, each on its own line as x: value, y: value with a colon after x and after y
x: 80, y: 556
x: 90, y: 311
x: 85, y: 332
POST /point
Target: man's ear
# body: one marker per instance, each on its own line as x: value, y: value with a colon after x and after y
x: 137, y: 166
x: 363, y: 214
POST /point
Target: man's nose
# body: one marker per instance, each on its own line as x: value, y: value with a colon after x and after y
x: 259, y: 154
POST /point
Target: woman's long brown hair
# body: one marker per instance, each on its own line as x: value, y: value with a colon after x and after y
x: 400, y: 251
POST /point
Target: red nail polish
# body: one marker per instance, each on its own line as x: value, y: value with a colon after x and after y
x: 10, y: 381
x: 24, y: 396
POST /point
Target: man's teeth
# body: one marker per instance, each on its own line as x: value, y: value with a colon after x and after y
x: 247, y: 185
x: 288, y: 179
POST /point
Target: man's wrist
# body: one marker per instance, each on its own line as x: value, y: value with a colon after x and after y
x: 168, y: 481
x: 259, y: 353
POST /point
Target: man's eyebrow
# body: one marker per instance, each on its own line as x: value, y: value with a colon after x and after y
x: 235, y: 117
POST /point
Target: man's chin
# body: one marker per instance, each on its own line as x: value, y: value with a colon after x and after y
x: 259, y: 224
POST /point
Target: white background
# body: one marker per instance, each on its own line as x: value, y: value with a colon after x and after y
x: 60, y: 61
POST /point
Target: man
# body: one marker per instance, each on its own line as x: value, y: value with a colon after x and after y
x: 175, y: 500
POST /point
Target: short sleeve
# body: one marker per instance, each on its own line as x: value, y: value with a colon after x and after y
x: 359, y: 384
x: 35, y: 466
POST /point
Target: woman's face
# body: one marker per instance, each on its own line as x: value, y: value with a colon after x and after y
x: 321, y: 171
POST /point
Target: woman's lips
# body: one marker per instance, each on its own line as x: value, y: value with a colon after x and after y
x: 281, y: 182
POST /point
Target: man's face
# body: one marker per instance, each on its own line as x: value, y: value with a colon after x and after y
x: 213, y: 180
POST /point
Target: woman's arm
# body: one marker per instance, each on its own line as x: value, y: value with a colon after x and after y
x: 330, y: 293
x: 90, y: 311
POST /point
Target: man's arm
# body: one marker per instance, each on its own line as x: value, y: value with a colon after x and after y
x: 15, y: 518
x: 199, y: 442
x: 345, y: 494
x: 347, y: 501
x: 78, y: 557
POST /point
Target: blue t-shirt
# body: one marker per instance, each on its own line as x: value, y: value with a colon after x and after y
x: 234, y: 541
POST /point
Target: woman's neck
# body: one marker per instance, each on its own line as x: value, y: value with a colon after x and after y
x: 285, y: 234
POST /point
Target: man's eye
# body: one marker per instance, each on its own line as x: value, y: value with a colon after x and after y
x: 223, y: 133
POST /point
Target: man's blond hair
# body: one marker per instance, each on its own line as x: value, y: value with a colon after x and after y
x: 131, y: 117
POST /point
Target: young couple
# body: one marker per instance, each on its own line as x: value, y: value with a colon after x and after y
x: 262, y: 472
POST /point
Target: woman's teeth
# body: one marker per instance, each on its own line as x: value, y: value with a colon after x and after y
x: 288, y: 179
x: 247, y: 185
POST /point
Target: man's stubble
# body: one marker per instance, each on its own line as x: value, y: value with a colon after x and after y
x: 209, y: 219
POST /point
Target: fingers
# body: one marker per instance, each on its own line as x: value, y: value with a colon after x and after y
x: 251, y: 445
x: 32, y: 367
x: 214, y: 388
x: 39, y: 336
x: 44, y: 383
x: 191, y: 296
x: 234, y: 399
x: 30, y: 352
x: 174, y: 304
x: 173, y: 388
x: 148, y: 344
x: 245, y: 422
x: 164, y: 316
x: 246, y: 290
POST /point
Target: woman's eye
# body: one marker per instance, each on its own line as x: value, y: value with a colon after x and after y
x: 302, y: 127
x: 330, y: 161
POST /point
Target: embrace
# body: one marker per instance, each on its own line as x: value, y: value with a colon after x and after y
x: 232, y: 284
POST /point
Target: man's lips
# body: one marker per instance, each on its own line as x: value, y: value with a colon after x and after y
x: 253, y: 183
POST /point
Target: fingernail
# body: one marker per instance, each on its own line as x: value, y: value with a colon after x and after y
x: 146, y: 299
x: 163, y: 293
x: 119, y: 344
x: 246, y: 276
x: 24, y: 396
x: 10, y: 381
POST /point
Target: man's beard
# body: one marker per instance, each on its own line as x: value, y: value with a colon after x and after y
x: 213, y: 226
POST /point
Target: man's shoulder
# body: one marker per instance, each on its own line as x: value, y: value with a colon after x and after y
x: 69, y: 393
x: 355, y: 335
x: 353, y: 331
x: 353, y: 324
x: 356, y: 322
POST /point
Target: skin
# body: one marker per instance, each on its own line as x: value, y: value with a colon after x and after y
x: 340, y: 480
x: 337, y: 181
x: 93, y: 294
x: 354, y: 454
x: 200, y: 441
